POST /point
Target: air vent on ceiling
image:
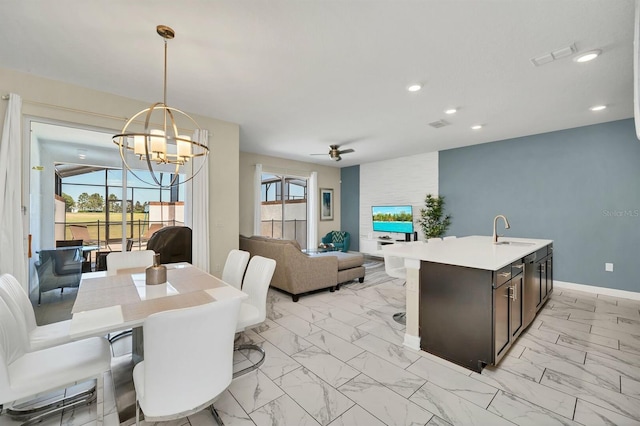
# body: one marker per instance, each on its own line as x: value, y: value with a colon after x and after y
x: 438, y: 124
x: 563, y: 52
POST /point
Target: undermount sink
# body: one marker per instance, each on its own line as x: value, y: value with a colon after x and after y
x: 515, y: 243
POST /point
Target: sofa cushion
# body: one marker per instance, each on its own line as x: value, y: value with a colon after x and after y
x: 345, y: 260
x: 277, y: 241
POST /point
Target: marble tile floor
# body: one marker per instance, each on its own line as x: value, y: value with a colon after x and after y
x: 337, y: 359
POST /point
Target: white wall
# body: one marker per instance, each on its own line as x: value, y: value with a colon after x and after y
x: 405, y: 180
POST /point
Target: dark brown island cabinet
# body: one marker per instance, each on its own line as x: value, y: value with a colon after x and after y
x: 472, y: 316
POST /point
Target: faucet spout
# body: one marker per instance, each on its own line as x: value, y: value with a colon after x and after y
x: 495, y: 222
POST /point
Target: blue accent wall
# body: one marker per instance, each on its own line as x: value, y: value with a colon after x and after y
x: 578, y: 187
x: 350, y: 204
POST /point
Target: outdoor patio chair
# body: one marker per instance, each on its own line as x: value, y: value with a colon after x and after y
x: 81, y: 232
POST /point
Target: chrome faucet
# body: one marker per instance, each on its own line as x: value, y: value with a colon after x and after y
x: 495, y: 222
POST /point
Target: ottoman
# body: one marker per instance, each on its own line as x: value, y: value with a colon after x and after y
x: 349, y: 266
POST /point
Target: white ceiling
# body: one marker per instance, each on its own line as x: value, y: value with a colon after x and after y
x: 298, y: 76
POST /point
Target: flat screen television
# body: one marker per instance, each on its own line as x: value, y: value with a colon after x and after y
x: 392, y: 219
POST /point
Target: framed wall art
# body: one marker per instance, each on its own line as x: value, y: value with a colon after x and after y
x: 326, y: 204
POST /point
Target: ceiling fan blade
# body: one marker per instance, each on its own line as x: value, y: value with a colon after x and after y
x: 338, y: 158
x: 346, y: 151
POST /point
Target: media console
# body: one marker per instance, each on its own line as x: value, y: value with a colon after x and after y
x: 373, y: 246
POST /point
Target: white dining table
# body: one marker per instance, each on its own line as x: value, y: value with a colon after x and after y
x: 110, y: 303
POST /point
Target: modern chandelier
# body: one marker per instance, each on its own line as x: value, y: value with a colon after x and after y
x: 160, y: 142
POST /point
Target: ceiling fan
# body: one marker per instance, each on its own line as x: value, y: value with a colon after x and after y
x: 335, y: 152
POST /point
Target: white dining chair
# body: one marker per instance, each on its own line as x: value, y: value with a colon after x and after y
x: 39, y: 336
x: 434, y: 240
x: 25, y: 374
x: 188, y: 360
x: 235, y: 267
x: 118, y: 261
x: 253, y: 310
x: 394, y: 267
x: 450, y: 237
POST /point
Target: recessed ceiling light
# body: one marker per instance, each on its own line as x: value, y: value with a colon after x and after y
x: 476, y: 127
x: 450, y: 111
x: 588, y: 56
x: 598, y: 107
x: 414, y: 87
x: 82, y: 154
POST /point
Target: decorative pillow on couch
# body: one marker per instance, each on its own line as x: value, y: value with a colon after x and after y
x: 337, y: 236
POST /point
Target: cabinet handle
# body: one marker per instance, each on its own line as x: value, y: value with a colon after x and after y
x: 505, y: 274
x: 512, y: 292
x: 519, y: 266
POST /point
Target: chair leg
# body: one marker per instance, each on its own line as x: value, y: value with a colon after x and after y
x: 400, y: 318
x: 100, y: 400
x: 216, y: 416
x: 137, y: 413
x: 36, y: 413
x: 251, y: 367
x: 120, y: 335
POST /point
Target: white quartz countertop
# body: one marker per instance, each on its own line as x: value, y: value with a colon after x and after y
x: 473, y: 252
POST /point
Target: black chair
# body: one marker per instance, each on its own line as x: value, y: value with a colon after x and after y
x: 68, y: 243
x: 173, y: 243
x: 101, y: 260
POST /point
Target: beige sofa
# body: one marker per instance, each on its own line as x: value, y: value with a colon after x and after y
x: 297, y: 272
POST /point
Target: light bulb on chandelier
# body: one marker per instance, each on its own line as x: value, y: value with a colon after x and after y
x: 154, y: 148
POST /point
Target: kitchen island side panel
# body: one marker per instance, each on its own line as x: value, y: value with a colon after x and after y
x: 456, y: 313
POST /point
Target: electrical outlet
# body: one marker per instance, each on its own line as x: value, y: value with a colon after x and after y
x: 608, y: 267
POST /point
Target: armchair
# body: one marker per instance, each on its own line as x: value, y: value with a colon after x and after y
x: 58, y: 269
x: 340, y: 240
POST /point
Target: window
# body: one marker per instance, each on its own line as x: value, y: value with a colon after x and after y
x: 93, y: 197
x: 283, y: 211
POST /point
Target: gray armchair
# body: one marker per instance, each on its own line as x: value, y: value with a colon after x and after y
x: 58, y: 269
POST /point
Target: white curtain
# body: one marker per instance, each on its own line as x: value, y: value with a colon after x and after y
x: 12, y: 257
x: 257, y: 200
x: 200, y: 206
x: 312, y: 211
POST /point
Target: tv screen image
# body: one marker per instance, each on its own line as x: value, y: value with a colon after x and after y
x: 392, y: 219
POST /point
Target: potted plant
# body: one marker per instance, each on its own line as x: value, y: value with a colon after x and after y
x: 433, y: 221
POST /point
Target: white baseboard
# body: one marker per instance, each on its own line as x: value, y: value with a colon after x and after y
x: 598, y: 290
x: 412, y: 342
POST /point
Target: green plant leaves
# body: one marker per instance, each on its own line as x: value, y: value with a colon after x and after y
x: 432, y: 220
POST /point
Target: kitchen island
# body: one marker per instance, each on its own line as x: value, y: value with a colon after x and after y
x: 468, y: 299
